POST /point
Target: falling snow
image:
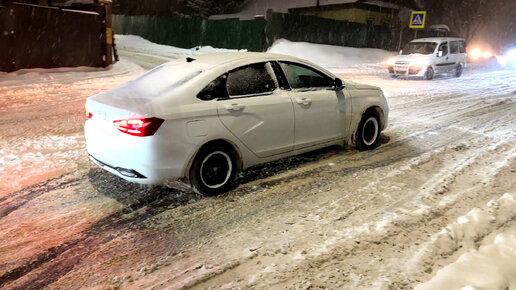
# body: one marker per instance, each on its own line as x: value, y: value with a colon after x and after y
x: 434, y: 206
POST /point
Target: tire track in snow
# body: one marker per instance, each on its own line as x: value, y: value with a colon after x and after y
x: 464, y: 134
x: 17, y: 199
x: 50, y: 265
x: 371, y: 243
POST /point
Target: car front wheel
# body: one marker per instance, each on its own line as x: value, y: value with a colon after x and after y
x: 213, y: 170
x: 429, y: 74
x: 368, y: 132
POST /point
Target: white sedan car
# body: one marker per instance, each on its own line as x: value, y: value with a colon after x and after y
x: 200, y: 120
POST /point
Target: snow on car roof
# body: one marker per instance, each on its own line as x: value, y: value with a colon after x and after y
x: 215, y: 59
x: 433, y: 39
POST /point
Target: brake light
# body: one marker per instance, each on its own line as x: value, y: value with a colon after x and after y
x: 88, y: 113
x: 139, y: 127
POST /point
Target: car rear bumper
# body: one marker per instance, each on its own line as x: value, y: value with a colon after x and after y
x: 146, y: 160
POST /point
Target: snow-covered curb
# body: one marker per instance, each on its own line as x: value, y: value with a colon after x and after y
x: 493, y: 265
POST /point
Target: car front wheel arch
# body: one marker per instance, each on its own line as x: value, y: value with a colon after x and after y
x: 367, y: 135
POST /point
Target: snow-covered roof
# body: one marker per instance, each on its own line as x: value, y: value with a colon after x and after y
x: 260, y: 7
x: 84, y: 2
x: 382, y: 4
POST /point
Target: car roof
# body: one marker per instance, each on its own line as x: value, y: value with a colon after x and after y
x: 438, y: 39
x: 232, y: 59
x: 221, y: 58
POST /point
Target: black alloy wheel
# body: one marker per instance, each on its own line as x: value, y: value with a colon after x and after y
x: 213, y: 170
x: 368, y: 133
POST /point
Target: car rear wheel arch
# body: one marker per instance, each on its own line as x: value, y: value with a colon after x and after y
x: 216, y: 143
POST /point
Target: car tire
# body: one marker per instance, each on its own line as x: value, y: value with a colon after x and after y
x: 213, y: 170
x: 368, y: 132
x: 429, y: 74
x: 458, y: 70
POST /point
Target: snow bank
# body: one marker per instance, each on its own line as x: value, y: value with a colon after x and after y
x: 329, y: 55
x: 493, y: 265
x: 138, y: 44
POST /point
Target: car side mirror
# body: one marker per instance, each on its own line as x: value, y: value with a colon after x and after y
x: 337, y: 84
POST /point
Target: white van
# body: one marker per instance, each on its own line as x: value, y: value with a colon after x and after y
x: 426, y: 57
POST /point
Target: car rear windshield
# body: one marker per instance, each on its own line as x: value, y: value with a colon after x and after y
x: 419, y: 48
x: 164, y: 78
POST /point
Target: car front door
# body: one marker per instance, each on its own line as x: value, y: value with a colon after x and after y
x: 444, y: 62
x: 258, y: 113
x: 319, y: 110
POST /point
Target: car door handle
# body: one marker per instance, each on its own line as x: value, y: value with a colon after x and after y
x: 303, y: 101
x: 233, y: 107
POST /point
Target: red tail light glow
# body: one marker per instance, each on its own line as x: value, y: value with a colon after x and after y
x: 139, y: 127
x: 88, y: 115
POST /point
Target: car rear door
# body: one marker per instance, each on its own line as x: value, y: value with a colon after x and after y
x: 257, y: 112
x: 319, y: 110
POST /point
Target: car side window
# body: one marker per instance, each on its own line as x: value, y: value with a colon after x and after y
x: 444, y: 48
x: 462, y: 46
x: 251, y: 80
x: 216, y: 89
x: 299, y: 77
x: 454, y: 47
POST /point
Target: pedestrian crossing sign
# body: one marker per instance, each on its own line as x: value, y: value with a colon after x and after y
x: 417, y: 19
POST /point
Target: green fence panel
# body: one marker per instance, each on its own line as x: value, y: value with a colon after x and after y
x: 191, y: 32
x: 254, y: 35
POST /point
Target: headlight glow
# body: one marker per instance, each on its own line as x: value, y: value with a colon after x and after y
x: 487, y: 54
x: 476, y: 53
x: 390, y: 61
x: 511, y: 54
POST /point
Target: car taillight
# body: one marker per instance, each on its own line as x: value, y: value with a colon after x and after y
x: 88, y: 113
x: 139, y: 127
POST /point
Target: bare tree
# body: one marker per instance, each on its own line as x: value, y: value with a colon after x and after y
x: 205, y: 8
x: 466, y: 17
x: 200, y: 8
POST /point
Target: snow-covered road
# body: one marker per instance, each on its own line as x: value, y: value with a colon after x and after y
x: 434, y: 206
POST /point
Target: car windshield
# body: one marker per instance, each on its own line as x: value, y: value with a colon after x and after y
x: 419, y: 48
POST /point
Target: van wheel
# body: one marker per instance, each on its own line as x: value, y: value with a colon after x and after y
x: 213, y: 170
x: 458, y: 70
x: 368, y: 132
x: 429, y: 74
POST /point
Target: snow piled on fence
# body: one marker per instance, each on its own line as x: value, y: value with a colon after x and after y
x: 142, y: 45
x: 330, y: 55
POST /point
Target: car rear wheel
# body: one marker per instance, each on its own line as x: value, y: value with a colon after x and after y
x: 368, y: 133
x: 429, y: 74
x: 458, y: 70
x: 213, y: 170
